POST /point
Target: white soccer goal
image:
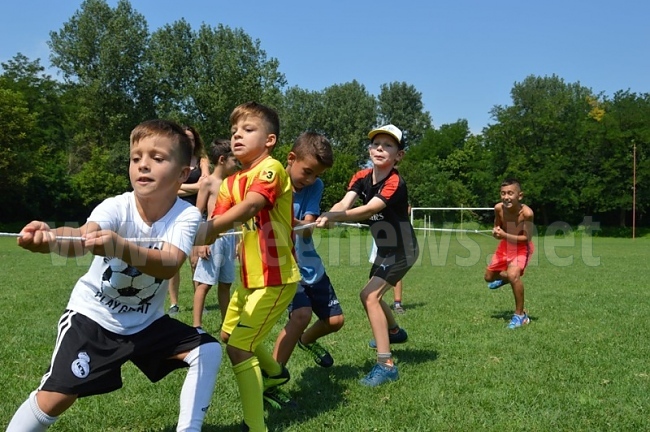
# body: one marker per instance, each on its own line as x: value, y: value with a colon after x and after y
x: 454, y: 219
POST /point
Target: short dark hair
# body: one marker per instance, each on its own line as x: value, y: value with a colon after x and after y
x: 314, y: 144
x: 219, y: 147
x: 511, y: 181
x: 165, y: 128
x: 267, y: 114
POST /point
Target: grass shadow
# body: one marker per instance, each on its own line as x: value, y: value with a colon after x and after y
x: 414, y: 356
x: 319, y: 390
x: 206, y: 428
x: 411, y: 306
x: 506, y: 315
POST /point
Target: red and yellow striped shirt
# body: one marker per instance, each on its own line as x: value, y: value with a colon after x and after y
x: 267, y: 252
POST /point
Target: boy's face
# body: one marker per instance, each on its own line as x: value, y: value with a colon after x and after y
x: 384, y: 151
x: 511, y: 195
x: 155, y: 169
x: 230, y: 165
x: 303, y: 172
x: 250, y: 141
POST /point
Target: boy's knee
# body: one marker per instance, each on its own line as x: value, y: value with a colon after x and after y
x: 301, y: 317
x: 335, y: 323
x: 514, y: 273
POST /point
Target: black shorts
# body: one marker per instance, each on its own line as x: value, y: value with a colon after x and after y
x: 87, y: 358
x: 319, y: 296
x: 392, y: 268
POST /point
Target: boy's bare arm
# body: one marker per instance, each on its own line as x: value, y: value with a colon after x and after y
x: 238, y: 214
x: 307, y: 232
x: 204, y: 194
x: 345, y: 203
x: 38, y: 237
x: 527, y: 222
x: 516, y: 231
x: 363, y: 212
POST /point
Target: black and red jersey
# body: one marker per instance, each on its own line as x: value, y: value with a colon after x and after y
x: 391, y: 228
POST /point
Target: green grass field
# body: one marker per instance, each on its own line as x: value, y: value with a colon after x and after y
x: 581, y: 365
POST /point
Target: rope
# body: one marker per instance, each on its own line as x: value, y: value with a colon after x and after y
x: 133, y: 239
x: 482, y: 232
x: 154, y: 239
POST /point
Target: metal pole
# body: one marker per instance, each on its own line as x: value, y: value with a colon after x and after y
x: 634, y: 190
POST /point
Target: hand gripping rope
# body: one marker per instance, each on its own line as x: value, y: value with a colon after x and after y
x: 154, y: 239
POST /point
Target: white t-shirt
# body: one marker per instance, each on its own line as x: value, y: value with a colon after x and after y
x: 120, y: 214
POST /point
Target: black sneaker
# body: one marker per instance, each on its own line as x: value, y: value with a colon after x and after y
x: 321, y: 356
x: 393, y: 338
x: 279, y: 399
x: 276, y: 380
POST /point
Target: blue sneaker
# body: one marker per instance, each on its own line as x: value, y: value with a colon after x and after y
x: 380, y: 374
x: 496, y: 284
x: 518, y: 321
x: 394, y: 338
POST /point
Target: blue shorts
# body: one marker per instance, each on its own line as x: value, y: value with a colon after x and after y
x: 220, y: 265
x: 320, y: 297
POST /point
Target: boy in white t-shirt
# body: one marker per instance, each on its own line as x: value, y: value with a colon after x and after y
x: 98, y: 333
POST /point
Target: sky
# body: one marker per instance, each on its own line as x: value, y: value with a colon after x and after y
x: 463, y: 56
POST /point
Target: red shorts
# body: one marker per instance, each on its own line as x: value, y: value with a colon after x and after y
x: 510, y: 253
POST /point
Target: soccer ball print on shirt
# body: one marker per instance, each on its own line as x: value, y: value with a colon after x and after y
x: 127, y: 284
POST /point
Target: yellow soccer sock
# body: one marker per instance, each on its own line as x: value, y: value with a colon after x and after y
x: 267, y: 362
x: 249, y: 382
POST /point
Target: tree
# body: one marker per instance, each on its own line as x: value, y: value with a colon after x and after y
x: 349, y: 113
x: 401, y: 104
x: 39, y: 182
x: 102, y: 54
x: 540, y: 139
x: 204, y: 74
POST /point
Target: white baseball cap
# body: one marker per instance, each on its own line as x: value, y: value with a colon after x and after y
x: 389, y: 129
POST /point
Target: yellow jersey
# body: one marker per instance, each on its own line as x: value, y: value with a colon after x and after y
x: 267, y: 253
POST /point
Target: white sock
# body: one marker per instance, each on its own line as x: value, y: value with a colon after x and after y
x: 198, y: 387
x: 30, y: 418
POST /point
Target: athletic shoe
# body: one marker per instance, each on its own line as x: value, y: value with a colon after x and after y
x: 496, y: 284
x: 320, y: 354
x: 518, y: 321
x: 380, y: 374
x: 276, y: 380
x: 397, y: 307
x: 393, y: 338
x: 279, y: 399
x: 173, y: 310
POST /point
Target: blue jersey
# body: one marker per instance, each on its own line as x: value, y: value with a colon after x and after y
x: 307, y: 202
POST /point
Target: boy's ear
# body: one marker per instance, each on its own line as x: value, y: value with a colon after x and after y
x: 185, y: 173
x: 271, y: 139
x: 291, y: 158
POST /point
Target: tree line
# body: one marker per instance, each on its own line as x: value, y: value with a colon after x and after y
x: 64, y: 142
